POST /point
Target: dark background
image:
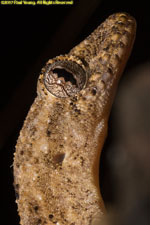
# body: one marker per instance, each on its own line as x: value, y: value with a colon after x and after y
x: 30, y: 35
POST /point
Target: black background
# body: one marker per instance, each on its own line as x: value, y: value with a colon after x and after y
x: 30, y: 35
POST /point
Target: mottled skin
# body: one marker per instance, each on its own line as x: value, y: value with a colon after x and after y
x: 57, y: 153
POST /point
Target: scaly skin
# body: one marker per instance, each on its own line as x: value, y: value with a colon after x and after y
x: 56, y: 162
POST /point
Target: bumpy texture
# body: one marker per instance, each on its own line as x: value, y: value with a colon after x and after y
x: 56, y: 162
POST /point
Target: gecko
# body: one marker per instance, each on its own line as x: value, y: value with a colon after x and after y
x: 56, y: 163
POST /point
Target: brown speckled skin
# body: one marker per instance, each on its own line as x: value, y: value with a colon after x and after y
x: 57, y: 153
